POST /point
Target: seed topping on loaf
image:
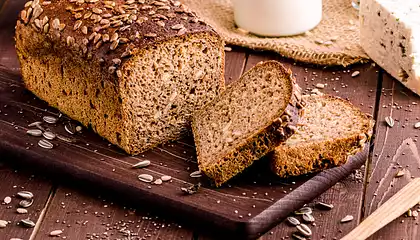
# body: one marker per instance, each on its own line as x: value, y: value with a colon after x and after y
x: 110, y: 30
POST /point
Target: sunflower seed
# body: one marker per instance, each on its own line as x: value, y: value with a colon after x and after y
x: 119, y: 73
x: 50, y: 119
x: 27, y: 223
x: 7, y: 200
x: 69, y: 128
x: 21, y: 211
x: 196, y: 174
x: 34, y: 132
x: 62, y: 26
x: 303, y: 211
x: 25, y: 194
x: 79, y: 128
x: 298, y: 237
x: 66, y: 139
x: 150, y: 35
x: 324, y: 206
x: 3, y: 223
x: 400, y: 173
x: 145, y: 178
x: 26, y: 203
x: 415, y: 213
x: 320, y: 86
x: 141, y: 164
x: 27, y: 4
x: 389, y: 121
x: 97, y: 10
x: 46, y: 27
x: 45, y: 144
x: 56, y: 233
x: 293, y: 221
x: 355, y: 74
x: 304, y: 230
x: 114, y: 45
x: 347, y: 218
x: 192, y: 189
x: 417, y: 125
x: 49, y: 135
x: 158, y: 181
x: 34, y: 124
x: 166, y: 178
x: 308, y: 218
x: 85, y: 30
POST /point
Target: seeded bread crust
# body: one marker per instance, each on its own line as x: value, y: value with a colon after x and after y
x: 314, y: 156
x: 258, y: 145
x: 84, y: 58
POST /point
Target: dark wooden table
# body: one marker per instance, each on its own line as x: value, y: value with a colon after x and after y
x: 86, y: 213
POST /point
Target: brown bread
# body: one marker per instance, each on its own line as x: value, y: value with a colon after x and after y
x: 134, y: 71
x: 247, y: 121
x: 330, y: 131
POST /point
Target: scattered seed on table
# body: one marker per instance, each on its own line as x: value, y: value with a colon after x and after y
x: 45, y: 144
x: 308, y: 217
x: 303, y: 211
x: 141, y: 164
x: 158, y: 181
x: 56, y: 233
x: 34, y: 124
x: 34, y: 132
x: 50, y: 119
x: 25, y: 194
x: 3, y: 223
x: 196, y: 174
x: 355, y: 74
x: 293, y: 221
x: 79, y: 128
x: 26, y: 203
x: 166, y: 178
x: 347, y: 218
x: 145, y: 178
x: 7, y: 200
x: 320, y: 85
x: 324, y: 206
x: 49, y: 135
x: 298, y: 237
x: 389, y: 121
x: 400, y: 173
x: 69, y: 128
x: 417, y: 125
x: 27, y: 223
x: 304, y: 230
x: 21, y: 210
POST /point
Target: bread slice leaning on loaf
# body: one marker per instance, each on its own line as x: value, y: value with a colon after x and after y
x: 330, y: 130
x: 134, y: 71
x: 254, y: 114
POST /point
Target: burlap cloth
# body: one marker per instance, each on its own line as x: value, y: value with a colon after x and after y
x: 335, y: 41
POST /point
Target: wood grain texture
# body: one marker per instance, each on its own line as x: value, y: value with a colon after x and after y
x: 346, y: 195
x: 9, y: 10
x: 396, y: 149
x: 11, y: 182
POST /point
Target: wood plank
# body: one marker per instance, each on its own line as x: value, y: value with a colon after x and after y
x: 346, y: 196
x: 9, y: 10
x: 81, y: 214
x: 13, y: 180
x: 395, y: 149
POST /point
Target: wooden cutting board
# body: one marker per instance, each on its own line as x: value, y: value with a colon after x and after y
x: 247, y: 206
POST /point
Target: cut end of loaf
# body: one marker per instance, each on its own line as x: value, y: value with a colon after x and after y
x: 331, y: 130
x: 246, y: 121
x: 164, y: 84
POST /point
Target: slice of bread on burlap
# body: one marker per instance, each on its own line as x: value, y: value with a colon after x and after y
x: 331, y: 130
x: 244, y: 123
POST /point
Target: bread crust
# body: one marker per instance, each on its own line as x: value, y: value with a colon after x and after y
x: 259, y: 144
x: 315, y: 156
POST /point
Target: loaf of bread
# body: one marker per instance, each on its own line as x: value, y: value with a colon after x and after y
x: 244, y: 123
x: 390, y: 35
x: 132, y: 70
x: 330, y: 130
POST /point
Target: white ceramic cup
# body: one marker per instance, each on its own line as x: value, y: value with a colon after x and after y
x: 277, y: 17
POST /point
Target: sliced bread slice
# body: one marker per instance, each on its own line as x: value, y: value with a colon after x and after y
x: 244, y: 123
x: 330, y: 130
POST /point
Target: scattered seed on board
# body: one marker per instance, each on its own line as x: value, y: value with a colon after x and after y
x: 7, y: 200
x: 304, y: 230
x: 324, y: 206
x: 196, y: 174
x: 49, y: 135
x: 141, y: 164
x: 417, y: 125
x: 21, y: 211
x: 79, y: 128
x: 320, y: 85
x: 191, y: 189
x: 158, y: 181
x: 355, y: 74
x: 66, y: 139
x: 27, y: 223
x: 45, y: 144
x: 308, y: 218
x: 166, y: 178
x: 50, y: 119
x: 389, y: 121
x: 298, y: 237
x: 145, y: 178
x: 347, y: 218
x: 34, y: 132
x: 56, y: 233
x: 35, y: 124
x: 3, y: 223
x: 400, y: 173
x: 25, y: 194
x: 26, y: 203
x: 303, y: 211
x: 69, y: 128
x: 293, y: 221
